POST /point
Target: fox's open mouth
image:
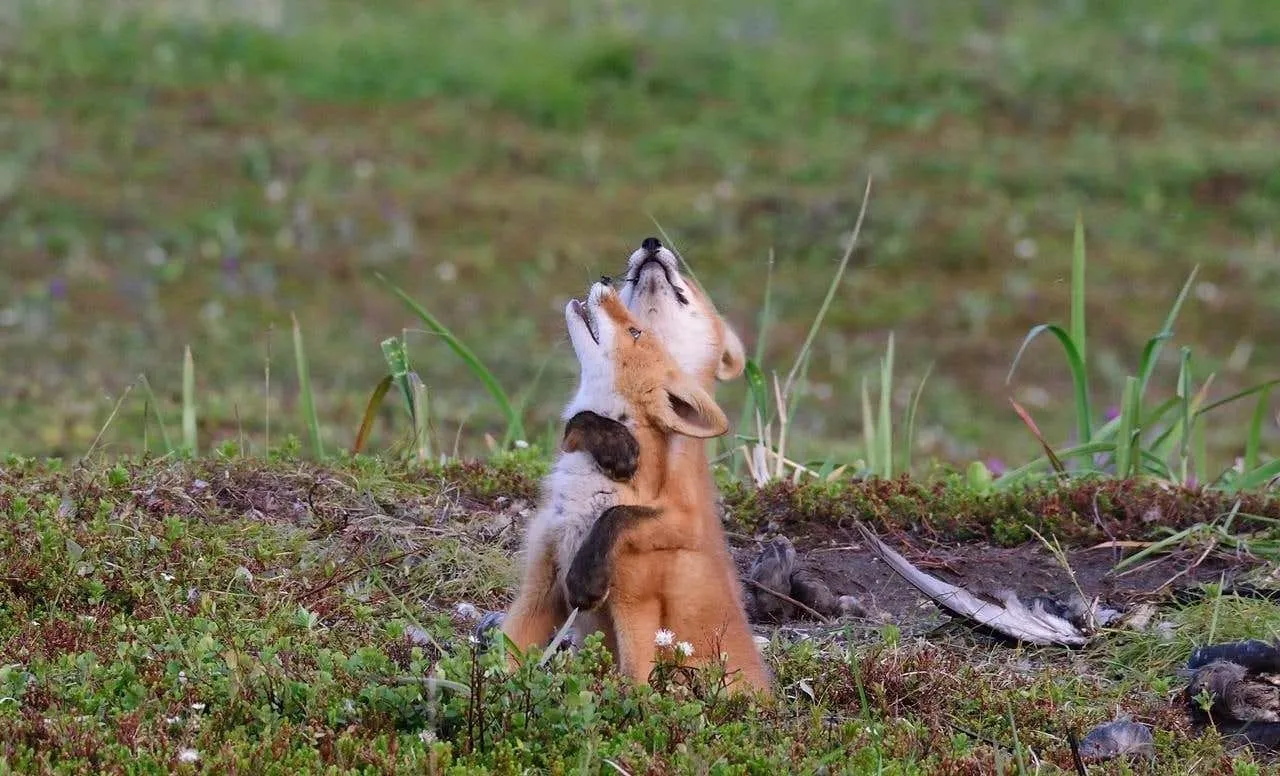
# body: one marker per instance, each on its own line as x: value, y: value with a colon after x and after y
x: 582, y: 312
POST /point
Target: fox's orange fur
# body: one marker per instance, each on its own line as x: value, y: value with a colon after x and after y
x: 673, y: 571
x: 576, y: 491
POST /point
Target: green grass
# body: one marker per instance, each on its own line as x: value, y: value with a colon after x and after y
x: 152, y: 609
x: 171, y: 181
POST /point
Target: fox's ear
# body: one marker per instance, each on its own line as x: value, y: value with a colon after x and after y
x: 691, y: 411
x: 733, y: 358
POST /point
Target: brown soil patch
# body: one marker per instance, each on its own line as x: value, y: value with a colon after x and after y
x: 849, y: 567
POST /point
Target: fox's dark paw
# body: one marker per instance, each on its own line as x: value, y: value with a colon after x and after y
x: 587, y: 581
x: 586, y: 600
x: 610, y: 443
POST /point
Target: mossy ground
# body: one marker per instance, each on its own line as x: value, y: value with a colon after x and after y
x: 281, y: 616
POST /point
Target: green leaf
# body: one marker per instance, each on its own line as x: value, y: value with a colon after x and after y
x: 1075, y: 363
x: 304, y: 390
x: 515, y: 427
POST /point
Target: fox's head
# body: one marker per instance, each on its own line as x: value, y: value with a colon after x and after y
x: 627, y: 374
x: 681, y: 315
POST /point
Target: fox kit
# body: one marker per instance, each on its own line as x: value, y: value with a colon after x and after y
x: 659, y: 559
x: 683, y: 318
x: 626, y: 381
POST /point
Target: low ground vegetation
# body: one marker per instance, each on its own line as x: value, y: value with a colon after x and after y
x: 273, y: 615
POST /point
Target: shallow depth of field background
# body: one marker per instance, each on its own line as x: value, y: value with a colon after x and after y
x: 193, y: 173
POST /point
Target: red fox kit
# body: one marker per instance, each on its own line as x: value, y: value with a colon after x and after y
x: 626, y: 380
x: 662, y: 565
x: 702, y: 344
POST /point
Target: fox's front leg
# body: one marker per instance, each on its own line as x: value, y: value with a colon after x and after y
x: 636, y: 625
x: 611, y: 444
x: 591, y: 572
x: 539, y: 607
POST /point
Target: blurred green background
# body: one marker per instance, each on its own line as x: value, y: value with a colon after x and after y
x: 191, y: 173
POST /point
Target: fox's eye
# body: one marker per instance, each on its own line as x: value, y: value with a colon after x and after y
x: 634, y: 332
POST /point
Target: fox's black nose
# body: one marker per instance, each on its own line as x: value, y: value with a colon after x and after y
x: 651, y: 244
x: 606, y: 280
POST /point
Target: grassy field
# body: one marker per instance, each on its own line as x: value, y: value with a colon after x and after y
x: 171, y: 177
x: 197, y: 200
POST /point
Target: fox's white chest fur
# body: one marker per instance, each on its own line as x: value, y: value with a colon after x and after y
x: 575, y: 494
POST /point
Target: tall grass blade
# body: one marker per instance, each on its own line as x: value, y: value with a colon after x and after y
x: 803, y: 355
x: 1035, y: 431
x: 794, y: 396
x: 371, y: 413
x: 155, y: 408
x: 757, y: 392
x: 754, y: 399
x: 909, y: 444
x: 115, y: 410
x: 395, y: 353
x: 515, y: 427
x: 188, y: 402
x: 1014, y: 476
x: 1201, y: 440
x: 421, y: 419
x: 1172, y: 540
x: 765, y: 319
x: 266, y: 393
x: 1165, y: 443
x: 1017, y: 745
x: 1077, y: 291
x: 886, y: 421
x: 560, y: 636
x: 1253, y: 443
x: 1127, y: 439
x: 869, y: 430
x: 1184, y: 403
x: 304, y: 390
x: 1259, y: 478
x: 526, y: 398
x: 1079, y: 379
x: 1151, y: 355
x: 1238, y: 395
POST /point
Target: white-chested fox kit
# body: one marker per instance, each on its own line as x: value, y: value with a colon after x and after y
x: 625, y: 380
x: 663, y: 561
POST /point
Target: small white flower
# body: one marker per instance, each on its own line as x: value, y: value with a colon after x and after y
x: 684, y: 648
x: 172, y: 720
x: 276, y: 191
x: 521, y: 444
x: 197, y: 707
x: 1025, y: 249
x: 188, y: 755
x: 427, y: 736
x: 166, y: 577
x: 664, y: 638
x: 182, y: 677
